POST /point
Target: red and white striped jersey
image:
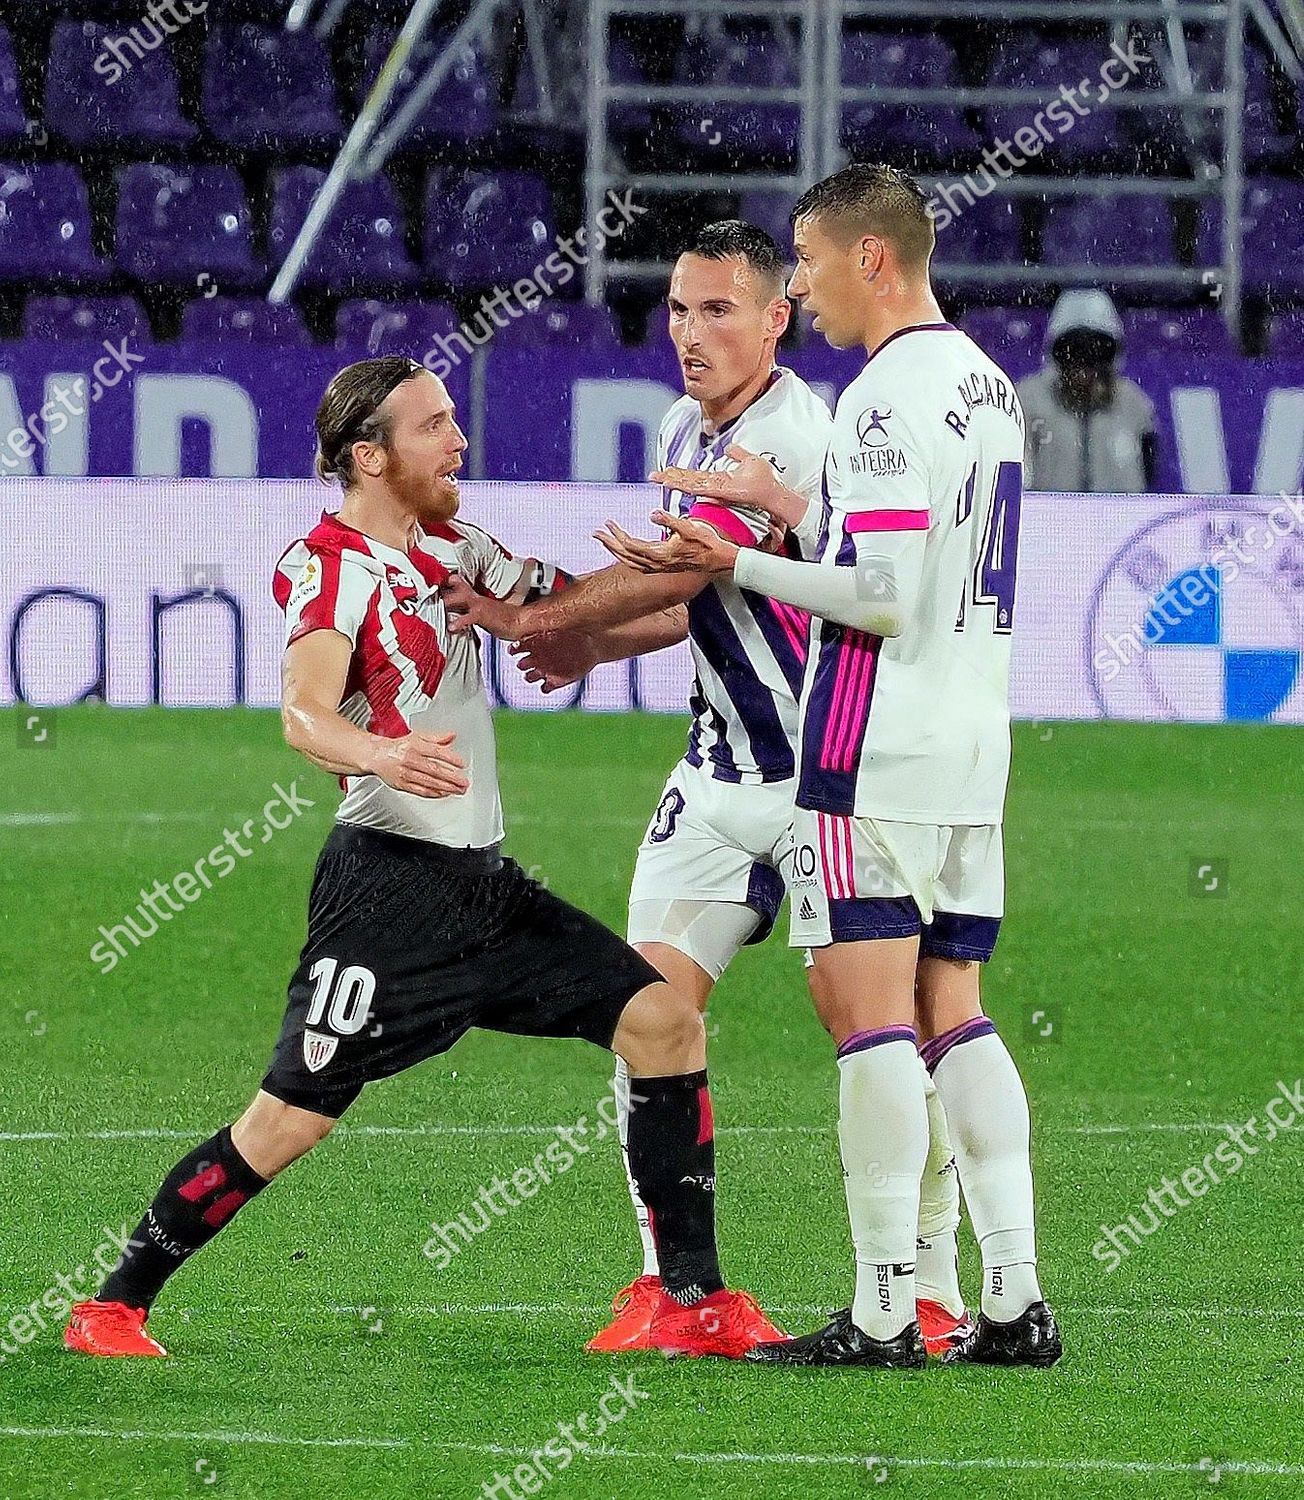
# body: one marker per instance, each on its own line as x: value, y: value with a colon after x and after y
x: 408, y: 671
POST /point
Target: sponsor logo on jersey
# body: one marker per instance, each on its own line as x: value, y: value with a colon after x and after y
x: 871, y: 429
x: 318, y: 1050
x: 877, y: 457
x: 878, y: 463
x: 400, y: 585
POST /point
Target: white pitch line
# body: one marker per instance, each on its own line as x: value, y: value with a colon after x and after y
x: 597, y: 1309
x: 62, y: 819
x: 1250, y: 1467
x: 166, y: 1134
x: 801, y: 1310
x: 152, y: 1133
x: 273, y: 1439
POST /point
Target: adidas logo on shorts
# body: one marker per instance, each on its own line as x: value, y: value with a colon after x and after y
x: 807, y: 912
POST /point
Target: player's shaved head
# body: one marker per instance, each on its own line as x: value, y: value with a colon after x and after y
x: 871, y: 198
x: 727, y: 239
x: 350, y: 412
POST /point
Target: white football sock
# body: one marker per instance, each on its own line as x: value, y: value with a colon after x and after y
x: 621, y: 1086
x: 937, y: 1263
x: 883, y: 1129
x: 987, y: 1108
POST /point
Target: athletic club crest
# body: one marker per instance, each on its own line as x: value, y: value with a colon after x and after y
x: 318, y: 1050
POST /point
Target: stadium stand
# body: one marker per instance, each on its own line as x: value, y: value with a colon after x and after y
x: 203, y: 155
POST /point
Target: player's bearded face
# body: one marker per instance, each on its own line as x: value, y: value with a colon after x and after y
x: 425, y: 451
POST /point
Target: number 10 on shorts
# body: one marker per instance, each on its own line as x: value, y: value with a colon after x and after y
x: 348, y: 994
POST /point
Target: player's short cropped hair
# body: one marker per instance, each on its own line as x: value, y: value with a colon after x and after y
x: 348, y: 412
x: 873, y: 198
x: 735, y: 237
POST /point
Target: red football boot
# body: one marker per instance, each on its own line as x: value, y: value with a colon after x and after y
x: 110, y: 1328
x: 633, y: 1306
x: 726, y: 1324
x: 942, y: 1330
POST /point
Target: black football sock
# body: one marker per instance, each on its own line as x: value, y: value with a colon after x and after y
x: 199, y: 1196
x: 672, y: 1160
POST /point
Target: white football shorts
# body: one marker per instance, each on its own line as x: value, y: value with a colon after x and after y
x: 856, y: 879
x: 711, y: 846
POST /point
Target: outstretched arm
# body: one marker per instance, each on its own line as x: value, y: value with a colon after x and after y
x: 556, y: 660
x: 876, y: 593
x: 614, y: 596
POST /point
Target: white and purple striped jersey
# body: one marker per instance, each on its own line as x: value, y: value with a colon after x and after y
x: 749, y: 651
x: 925, y: 469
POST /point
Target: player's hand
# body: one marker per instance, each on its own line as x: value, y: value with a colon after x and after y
x: 467, y: 609
x: 691, y: 547
x: 555, y: 658
x: 752, y: 481
x: 424, y: 764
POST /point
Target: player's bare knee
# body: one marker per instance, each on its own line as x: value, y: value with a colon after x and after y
x: 661, y: 1030
x: 271, y: 1134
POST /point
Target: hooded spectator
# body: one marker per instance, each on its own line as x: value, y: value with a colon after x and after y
x: 1090, y: 429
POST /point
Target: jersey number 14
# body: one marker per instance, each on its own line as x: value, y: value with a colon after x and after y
x: 992, y: 581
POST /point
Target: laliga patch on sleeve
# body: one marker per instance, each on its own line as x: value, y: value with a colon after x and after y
x: 308, y: 586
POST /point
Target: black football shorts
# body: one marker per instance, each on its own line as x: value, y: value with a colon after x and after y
x: 411, y: 944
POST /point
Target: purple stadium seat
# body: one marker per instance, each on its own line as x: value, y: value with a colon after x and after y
x: 13, y: 118
x: 753, y: 56
x: 1191, y: 330
x: 178, y: 226
x: 1109, y: 232
x: 66, y: 320
x: 1286, y: 336
x: 1272, y: 230
x: 97, y: 94
x: 265, y: 88
x: 988, y: 229
x: 487, y: 228
x: 562, y: 325
x: 1034, y: 63
x: 879, y: 61
x: 368, y: 329
x: 1015, y: 337
x: 362, y: 243
x: 45, y: 224
x: 462, y: 109
x: 244, y: 320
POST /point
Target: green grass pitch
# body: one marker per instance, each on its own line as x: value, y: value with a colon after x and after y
x: 316, y: 1350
